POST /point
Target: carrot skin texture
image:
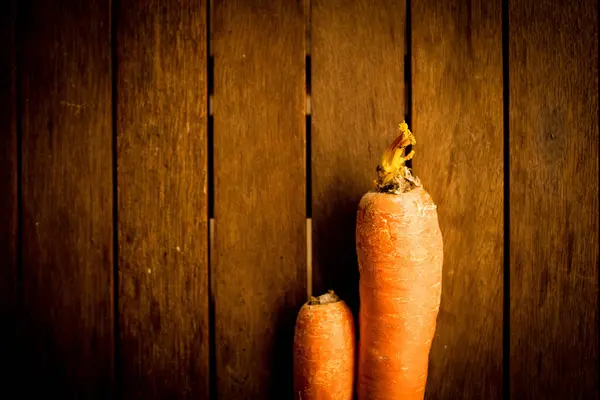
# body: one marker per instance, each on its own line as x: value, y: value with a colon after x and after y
x: 324, y: 352
x: 400, y: 253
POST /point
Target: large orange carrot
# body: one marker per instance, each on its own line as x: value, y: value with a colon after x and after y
x: 324, y: 350
x: 400, y: 254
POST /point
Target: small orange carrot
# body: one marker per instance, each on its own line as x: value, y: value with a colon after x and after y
x: 324, y: 350
x: 400, y: 252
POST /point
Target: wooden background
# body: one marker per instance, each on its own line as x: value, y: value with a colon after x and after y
x: 177, y: 176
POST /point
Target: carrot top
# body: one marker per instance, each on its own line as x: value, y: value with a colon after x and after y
x: 329, y: 297
x: 393, y: 176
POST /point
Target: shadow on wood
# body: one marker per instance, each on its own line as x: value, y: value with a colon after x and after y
x: 335, y: 245
x: 281, y: 352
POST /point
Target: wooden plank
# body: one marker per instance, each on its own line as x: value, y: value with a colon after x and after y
x: 8, y: 191
x: 357, y: 102
x: 260, y: 219
x: 67, y: 205
x: 553, y: 64
x: 162, y: 199
x: 458, y: 123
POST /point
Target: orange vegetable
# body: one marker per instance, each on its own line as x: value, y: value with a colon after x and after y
x: 400, y: 252
x: 324, y: 350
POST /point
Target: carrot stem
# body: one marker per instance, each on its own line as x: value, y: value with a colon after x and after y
x: 393, y: 176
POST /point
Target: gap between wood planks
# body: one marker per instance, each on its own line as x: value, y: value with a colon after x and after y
x: 212, y: 358
x: 308, y: 141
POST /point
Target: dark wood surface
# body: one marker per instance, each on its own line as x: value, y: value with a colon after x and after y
x: 67, y: 203
x: 60, y: 87
x: 553, y: 110
x: 8, y: 190
x: 457, y: 115
x: 162, y: 192
x: 357, y: 102
x: 260, y: 220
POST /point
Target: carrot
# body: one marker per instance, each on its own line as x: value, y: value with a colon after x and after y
x: 400, y: 252
x: 324, y: 350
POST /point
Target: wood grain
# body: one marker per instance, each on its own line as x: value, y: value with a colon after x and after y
x: 67, y: 197
x: 357, y: 101
x: 260, y: 219
x: 553, y: 199
x: 8, y: 191
x: 162, y: 199
x: 458, y: 123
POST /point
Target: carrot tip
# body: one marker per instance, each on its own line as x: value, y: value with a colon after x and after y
x: 393, y: 176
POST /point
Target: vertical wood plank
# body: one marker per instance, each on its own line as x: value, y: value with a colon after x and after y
x: 67, y: 197
x: 553, y: 63
x: 8, y: 190
x: 458, y: 123
x: 260, y: 219
x: 162, y: 199
x: 357, y: 101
